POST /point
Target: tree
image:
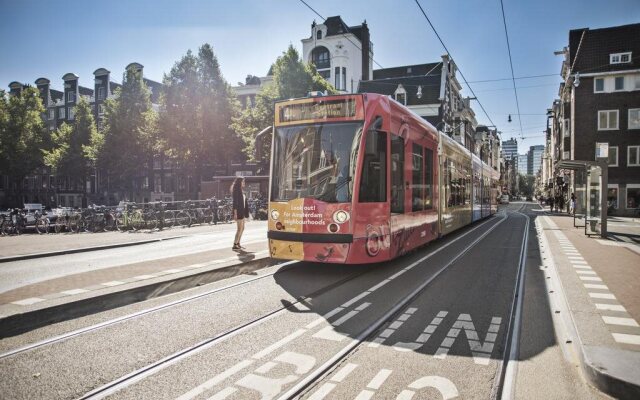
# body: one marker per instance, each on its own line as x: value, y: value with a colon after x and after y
x: 23, y: 135
x: 292, y: 78
x: 197, y: 108
x: 70, y: 154
x: 124, y: 149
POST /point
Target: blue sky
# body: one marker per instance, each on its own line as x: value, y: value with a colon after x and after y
x: 50, y: 38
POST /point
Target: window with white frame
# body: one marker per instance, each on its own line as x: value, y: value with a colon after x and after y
x: 633, y: 156
x: 71, y: 113
x: 52, y: 113
x: 620, y: 58
x: 101, y: 93
x: 637, y: 82
x: 633, y: 195
x: 613, y: 156
x: 71, y: 97
x: 634, y: 118
x: 566, y: 128
x: 598, y: 85
x: 607, y: 120
x: 101, y: 107
x: 401, y: 95
x: 619, y: 83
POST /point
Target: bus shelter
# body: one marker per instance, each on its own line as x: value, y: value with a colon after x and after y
x: 590, y: 189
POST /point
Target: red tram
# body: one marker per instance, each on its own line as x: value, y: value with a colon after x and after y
x: 361, y: 179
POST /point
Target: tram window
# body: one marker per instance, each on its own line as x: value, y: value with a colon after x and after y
x: 397, y: 174
x: 373, y: 182
x: 428, y: 179
x: 417, y: 203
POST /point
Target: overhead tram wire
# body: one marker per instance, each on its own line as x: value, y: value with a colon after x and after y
x: 515, y: 91
x: 459, y: 70
x: 343, y: 35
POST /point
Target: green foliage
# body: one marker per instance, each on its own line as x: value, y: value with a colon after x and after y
x: 292, y: 78
x: 126, y: 143
x: 197, y: 108
x: 69, y: 155
x: 23, y: 135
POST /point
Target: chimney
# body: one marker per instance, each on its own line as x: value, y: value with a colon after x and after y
x: 366, y: 49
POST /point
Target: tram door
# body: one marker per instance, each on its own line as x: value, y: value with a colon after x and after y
x: 400, y: 193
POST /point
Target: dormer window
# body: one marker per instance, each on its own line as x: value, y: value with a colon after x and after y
x: 319, y: 34
x: 101, y: 93
x: 620, y: 58
x: 71, y: 97
x: 401, y: 95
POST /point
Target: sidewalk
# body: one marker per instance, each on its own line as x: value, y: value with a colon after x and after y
x: 32, y: 306
x: 600, y: 280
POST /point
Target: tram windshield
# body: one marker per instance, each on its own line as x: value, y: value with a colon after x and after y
x: 315, y: 161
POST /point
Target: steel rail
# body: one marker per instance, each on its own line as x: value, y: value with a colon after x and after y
x: 81, y: 331
x: 144, y: 372
x: 389, y: 316
x: 504, y: 384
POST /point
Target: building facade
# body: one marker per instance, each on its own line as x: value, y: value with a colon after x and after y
x: 54, y: 190
x: 343, y: 55
x: 510, y: 149
x: 599, y: 103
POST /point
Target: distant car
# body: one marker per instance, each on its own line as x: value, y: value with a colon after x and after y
x: 504, y: 199
x: 529, y: 198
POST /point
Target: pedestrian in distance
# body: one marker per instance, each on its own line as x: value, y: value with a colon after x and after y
x: 551, y: 200
x: 572, y: 205
x: 240, y: 210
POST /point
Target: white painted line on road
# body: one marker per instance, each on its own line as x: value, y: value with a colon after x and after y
x: 596, y: 286
x: 223, y: 394
x: 620, y: 321
x: 393, y: 327
x: 325, y: 317
x: 424, y: 336
x: 28, y: 302
x: 581, y: 267
x: 481, y: 352
x: 579, y: 262
x: 172, y: 271
x: 610, y: 307
x: 608, y: 296
x: 577, y: 258
x: 215, y: 380
x: 338, y: 377
x: 143, y: 277
x: 279, y: 344
x: 112, y: 283
x: 591, y: 278
x: 585, y: 272
x: 74, y: 291
x: 379, y: 379
x: 350, y: 314
x: 626, y: 338
x: 323, y: 391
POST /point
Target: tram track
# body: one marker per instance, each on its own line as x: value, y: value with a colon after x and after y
x: 141, y: 313
x: 310, y: 381
x: 144, y: 372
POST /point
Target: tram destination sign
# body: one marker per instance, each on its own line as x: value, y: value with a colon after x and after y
x: 324, y: 109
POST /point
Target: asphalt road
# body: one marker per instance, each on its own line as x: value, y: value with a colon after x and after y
x: 433, y: 324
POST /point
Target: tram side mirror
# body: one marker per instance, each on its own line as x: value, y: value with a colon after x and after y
x: 377, y: 123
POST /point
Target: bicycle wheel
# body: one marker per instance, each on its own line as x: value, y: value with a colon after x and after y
x: 122, y: 222
x: 76, y: 223
x: 169, y: 219
x: 183, y: 219
x: 42, y: 225
x: 208, y: 216
x: 137, y: 220
x: 150, y: 220
x: 59, y: 225
x: 109, y: 223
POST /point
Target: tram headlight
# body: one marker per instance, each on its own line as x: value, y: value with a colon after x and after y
x: 341, y: 216
x: 275, y: 215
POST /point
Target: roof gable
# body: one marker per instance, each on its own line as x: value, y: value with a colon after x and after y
x: 598, y: 44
